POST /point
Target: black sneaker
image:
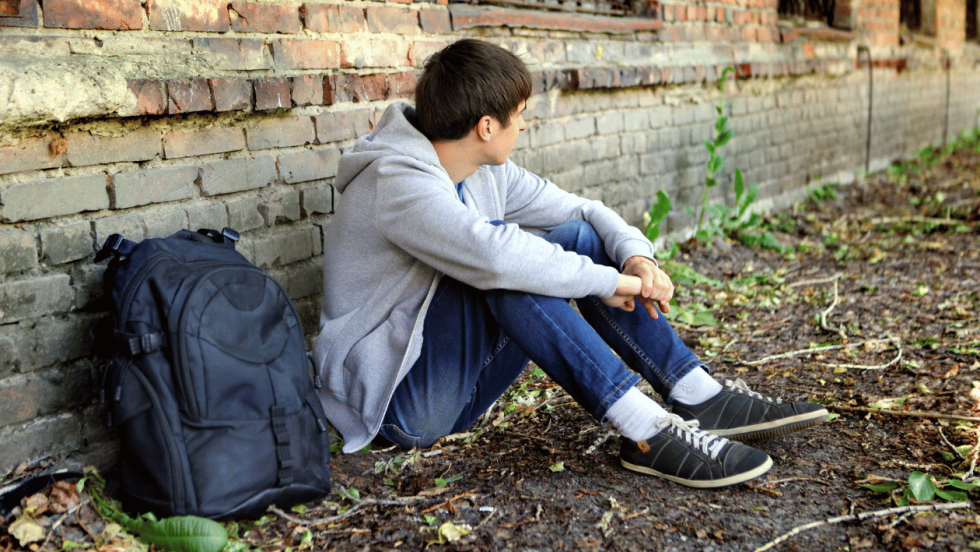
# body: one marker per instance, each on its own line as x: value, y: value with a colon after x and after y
x: 684, y: 454
x: 740, y: 413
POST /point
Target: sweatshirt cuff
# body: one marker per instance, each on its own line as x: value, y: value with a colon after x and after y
x: 634, y: 248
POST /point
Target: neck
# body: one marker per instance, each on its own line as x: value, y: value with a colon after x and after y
x: 458, y: 157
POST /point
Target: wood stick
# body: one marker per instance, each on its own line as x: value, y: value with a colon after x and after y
x: 864, y: 516
x: 912, y: 413
x: 814, y: 350
x: 827, y: 280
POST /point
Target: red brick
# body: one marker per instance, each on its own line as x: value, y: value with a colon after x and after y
x: 393, y: 20
x: 702, y: 13
x: 231, y: 93
x: 121, y: 15
x: 151, y: 96
x: 187, y: 15
x: 323, y: 18
x: 31, y: 154
x: 305, y: 54
x: 26, y: 15
x: 203, y: 142
x: 280, y: 133
x: 188, y: 96
x: 668, y: 12
x: 376, y: 53
x: 356, y: 88
x: 265, y: 18
x: 720, y: 15
x: 272, y: 93
x: 420, y: 51
x: 342, y: 125
x: 436, y: 21
x: 236, y: 55
x: 307, y: 90
x: 401, y: 85
x: 140, y: 145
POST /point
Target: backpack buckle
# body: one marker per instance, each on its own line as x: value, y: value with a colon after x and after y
x: 110, y: 248
x: 231, y: 234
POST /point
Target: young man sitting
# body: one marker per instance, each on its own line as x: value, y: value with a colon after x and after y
x: 448, y: 267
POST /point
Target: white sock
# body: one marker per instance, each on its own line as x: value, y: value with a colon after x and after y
x: 695, y: 388
x: 635, y: 415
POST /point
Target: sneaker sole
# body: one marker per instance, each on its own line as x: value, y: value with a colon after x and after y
x: 703, y: 484
x: 771, y: 430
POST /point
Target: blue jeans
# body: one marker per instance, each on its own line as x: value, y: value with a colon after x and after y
x: 477, y: 342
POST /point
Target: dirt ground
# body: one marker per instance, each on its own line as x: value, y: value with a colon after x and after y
x: 883, y: 283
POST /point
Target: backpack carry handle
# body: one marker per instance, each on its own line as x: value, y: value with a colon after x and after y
x: 115, y: 246
x: 227, y: 235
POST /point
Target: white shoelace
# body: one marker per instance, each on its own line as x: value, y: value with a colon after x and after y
x: 741, y: 387
x: 688, y: 430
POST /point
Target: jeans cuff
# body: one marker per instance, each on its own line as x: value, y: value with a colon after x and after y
x: 398, y: 437
x: 621, y: 389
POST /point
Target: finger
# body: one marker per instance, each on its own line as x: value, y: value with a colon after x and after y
x: 651, y: 308
x: 664, y: 306
x: 628, y: 305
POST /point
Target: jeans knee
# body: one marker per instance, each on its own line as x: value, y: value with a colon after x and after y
x: 578, y: 236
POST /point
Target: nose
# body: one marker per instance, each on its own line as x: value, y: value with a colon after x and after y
x: 522, y: 126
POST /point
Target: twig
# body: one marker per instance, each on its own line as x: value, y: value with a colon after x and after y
x: 358, y: 502
x: 61, y: 520
x: 973, y: 461
x: 773, y: 492
x: 862, y: 517
x: 788, y: 479
x: 912, y: 413
x: 827, y: 280
x: 899, y: 519
x: 815, y: 350
x: 945, y: 440
x: 448, y: 502
x: 889, y: 220
x: 825, y: 316
x: 892, y: 362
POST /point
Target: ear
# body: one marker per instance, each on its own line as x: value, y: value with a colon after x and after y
x: 485, y: 128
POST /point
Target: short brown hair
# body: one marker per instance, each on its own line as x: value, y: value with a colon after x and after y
x: 465, y: 81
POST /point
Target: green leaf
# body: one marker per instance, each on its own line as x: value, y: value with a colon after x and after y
x: 723, y: 138
x: 657, y: 215
x: 715, y: 164
x: 299, y: 509
x: 709, y: 146
x: 718, y: 109
x: 922, y: 487
x: 952, y: 496
x: 962, y: 486
x: 739, y: 185
x: 721, y: 124
x: 704, y: 318
x: 886, y: 487
x: 710, y: 182
x: 182, y: 534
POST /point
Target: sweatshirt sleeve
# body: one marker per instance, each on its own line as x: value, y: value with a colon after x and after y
x: 534, y: 201
x: 419, y: 211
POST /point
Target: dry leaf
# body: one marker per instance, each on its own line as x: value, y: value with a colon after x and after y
x: 26, y: 530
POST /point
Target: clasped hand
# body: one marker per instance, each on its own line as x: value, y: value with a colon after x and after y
x: 643, y: 281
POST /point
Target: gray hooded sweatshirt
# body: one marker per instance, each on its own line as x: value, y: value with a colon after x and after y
x: 400, y: 226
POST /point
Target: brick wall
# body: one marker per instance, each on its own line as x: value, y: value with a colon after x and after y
x: 141, y: 118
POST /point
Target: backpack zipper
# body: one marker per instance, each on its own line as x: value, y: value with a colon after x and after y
x: 168, y: 435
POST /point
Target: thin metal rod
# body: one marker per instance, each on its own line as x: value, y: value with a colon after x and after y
x: 867, y: 148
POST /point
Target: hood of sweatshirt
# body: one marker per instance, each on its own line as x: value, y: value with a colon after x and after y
x: 394, y: 135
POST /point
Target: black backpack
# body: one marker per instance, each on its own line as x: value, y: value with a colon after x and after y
x: 209, y: 383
